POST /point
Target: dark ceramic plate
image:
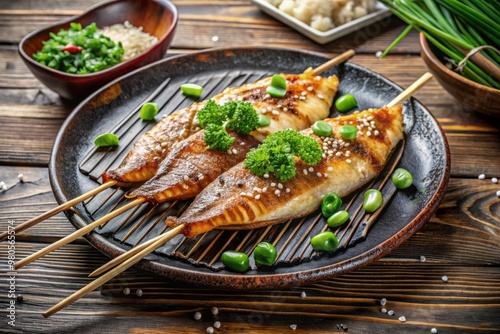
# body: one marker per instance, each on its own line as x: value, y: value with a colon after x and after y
x: 75, y: 166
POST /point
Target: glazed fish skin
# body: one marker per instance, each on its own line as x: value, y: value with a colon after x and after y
x: 260, y: 201
x: 191, y: 165
x: 143, y: 160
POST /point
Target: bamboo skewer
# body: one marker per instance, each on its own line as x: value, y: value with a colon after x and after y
x: 65, y: 206
x: 78, y: 233
x: 109, y: 275
x: 135, y: 255
x: 60, y: 208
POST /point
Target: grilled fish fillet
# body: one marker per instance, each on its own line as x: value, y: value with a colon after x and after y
x: 190, y: 166
x: 239, y: 199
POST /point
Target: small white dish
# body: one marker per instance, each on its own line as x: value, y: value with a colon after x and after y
x: 323, y: 37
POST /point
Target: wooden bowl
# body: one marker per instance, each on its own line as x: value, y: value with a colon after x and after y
x: 157, y: 17
x: 483, y: 99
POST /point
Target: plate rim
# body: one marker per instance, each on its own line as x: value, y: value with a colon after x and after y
x: 250, y: 281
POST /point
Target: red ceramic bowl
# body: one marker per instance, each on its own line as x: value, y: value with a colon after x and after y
x: 157, y: 17
x: 475, y: 96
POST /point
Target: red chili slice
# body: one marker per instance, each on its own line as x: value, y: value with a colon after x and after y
x: 72, y: 48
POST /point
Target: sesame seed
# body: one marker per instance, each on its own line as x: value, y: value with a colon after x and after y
x: 293, y: 327
x: 279, y: 106
x: 273, y: 184
x: 493, y: 179
x: 309, y: 88
x: 280, y: 186
x: 348, y: 161
x: 277, y: 192
x: 267, y: 96
x: 323, y: 156
x: 269, y: 108
x: 242, y: 143
x: 368, y: 133
x: 285, y: 109
x: 266, y: 176
x: 275, y: 112
x: 229, y: 152
x: 434, y: 331
x: 376, y: 132
x: 185, y: 186
x: 256, y: 189
x: 383, y: 310
x: 303, y: 294
x: 305, y: 172
x: 402, y: 319
x: 217, y: 324
x: 481, y: 176
x: 214, y: 310
x: 126, y: 291
x: 422, y: 258
x: 250, y: 195
x: 21, y: 177
x: 445, y: 278
x: 287, y: 190
x: 318, y: 174
x: 383, y: 301
x: 370, y: 117
x: 264, y: 189
x: 234, y: 151
x: 210, y: 330
x: 138, y: 292
x: 302, y: 98
x: 257, y: 196
x: 320, y: 96
x: 498, y: 192
x: 338, y: 154
x: 185, y: 177
x: 330, y: 169
x: 303, y: 93
x: 378, y: 54
x: 243, y: 194
x: 348, y: 154
x: 311, y: 169
x: 391, y: 312
x: 197, y: 316
x: 360, y: 133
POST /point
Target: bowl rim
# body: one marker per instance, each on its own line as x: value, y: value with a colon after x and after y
x: 168, y: 34
x: 426, y: 49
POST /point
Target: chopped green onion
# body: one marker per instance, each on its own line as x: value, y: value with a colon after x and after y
x: 402, y: 178
x: 322, y: 128
x: 325, y: 241
x: 338, y: 218
x: 106, y: 139
x: 148, y: 111
x: 263, y: 120
x: 348, y: 131
x: 277, y: 87
x: 346, y: 103
x: 191, y: 89
x: 372, y: 200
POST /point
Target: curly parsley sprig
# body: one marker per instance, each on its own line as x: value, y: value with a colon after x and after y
x: 277, y: 154
x: 238, y: 116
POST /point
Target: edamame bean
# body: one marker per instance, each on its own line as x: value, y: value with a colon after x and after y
x: 338, y: 218
x: 235, y: 260
x: 372, y: 200
x: 402, y: 178
x: 265, y: 253
x: 325, y: 241
x: 345, y: 103
x: 322, y: 128
x: 348, y: 132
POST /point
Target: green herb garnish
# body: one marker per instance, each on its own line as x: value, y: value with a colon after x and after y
x: 238, y: 116
x: 148, y: 111
x: 79, y: 50
x: 106, y: 139
x: 277, y: 154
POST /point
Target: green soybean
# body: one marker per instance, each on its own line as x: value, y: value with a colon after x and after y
x: 191, y: 89
x: 236, y: 261
x: 402, y: 178
x: 148, y: 111
x: 330, y: 204
x: 338, y: 218
x: 265, y: 253
x: 263, y: 120
x: 322, y: 128
x: 372, y: 200
x: 345, y: 103
x: 325, y: 241
x: 348, y: 131
x: 106, y: 139
x: 277, y: 87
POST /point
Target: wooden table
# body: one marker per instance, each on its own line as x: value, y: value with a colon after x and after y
x: 461, y: 241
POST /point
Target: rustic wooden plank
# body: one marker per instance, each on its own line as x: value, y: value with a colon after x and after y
x: 414, y: 290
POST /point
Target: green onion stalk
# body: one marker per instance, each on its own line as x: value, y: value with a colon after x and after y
x: 456, y: 27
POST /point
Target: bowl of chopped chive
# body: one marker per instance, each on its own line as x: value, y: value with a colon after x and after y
x: 77, y: 56
x: 471, y: 94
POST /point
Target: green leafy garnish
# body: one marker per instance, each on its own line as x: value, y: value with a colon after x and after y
x: 277, y: 154
x: 79, y: 50
x: 106, y: 139
x: 238, y: 116
x: 277, y: 87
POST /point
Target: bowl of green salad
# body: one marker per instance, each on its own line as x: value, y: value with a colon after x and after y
x: 77, y: 56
